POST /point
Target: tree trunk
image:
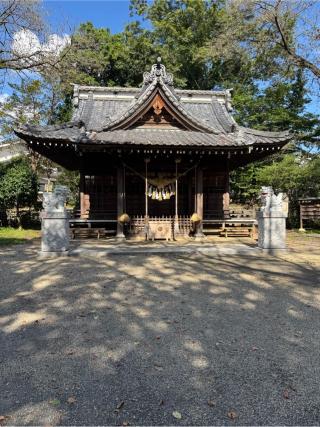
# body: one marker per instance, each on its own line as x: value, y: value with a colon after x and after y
x: 18, y: 215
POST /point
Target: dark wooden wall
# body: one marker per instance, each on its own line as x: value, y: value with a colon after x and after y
x: 214, y: 186
x: 99, y: 189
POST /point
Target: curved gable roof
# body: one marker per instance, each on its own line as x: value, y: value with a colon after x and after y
x: 113, y: 116
x: 172, y: 104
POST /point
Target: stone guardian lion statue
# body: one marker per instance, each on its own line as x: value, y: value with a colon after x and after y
x: 55, y: 201
x: 270, y: 201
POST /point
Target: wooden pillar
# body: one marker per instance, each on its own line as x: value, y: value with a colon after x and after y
x: 301, y: 218
x: 120, y: 201
x: 190, y: 199
x: 199, y: 199
x: 146, y: 215
x: 176, y: 212
x: 84, y: 198
x: 81, y: 192
x: 146, y: 188
x: 226, y: 193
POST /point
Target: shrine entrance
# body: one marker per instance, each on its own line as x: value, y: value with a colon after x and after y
x: 161, y: 193
x: 160, y: 198
x: 157, y: 195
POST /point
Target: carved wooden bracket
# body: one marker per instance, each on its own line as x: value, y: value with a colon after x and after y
x: 158, y: 104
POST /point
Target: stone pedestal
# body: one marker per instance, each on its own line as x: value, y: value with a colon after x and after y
x: 55, y: 223
x: 272, y: 229
x: 55, y: 232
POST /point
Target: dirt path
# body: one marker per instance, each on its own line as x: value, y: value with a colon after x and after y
x: 132, y: 339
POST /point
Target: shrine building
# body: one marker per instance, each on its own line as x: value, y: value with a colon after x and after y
x: 155, y: 153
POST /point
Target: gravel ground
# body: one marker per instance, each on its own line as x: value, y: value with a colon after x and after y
x: 130, y: 340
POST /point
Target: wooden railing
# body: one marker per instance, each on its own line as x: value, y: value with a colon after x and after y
x: 138, y: 224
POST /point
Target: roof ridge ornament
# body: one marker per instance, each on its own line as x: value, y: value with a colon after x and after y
x: 158, y: 72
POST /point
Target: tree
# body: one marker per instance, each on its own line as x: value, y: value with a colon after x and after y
x: 25, y: 43
x: 18, y: 187
x: 34, y: 102
x: 279, y: 106
x: 266, y: 26
x: 207, y: 43
x: 243, y: 183
x: 96, y: 57
x: 223, y: 44
x: 181, y: 31
x: 295, y: 176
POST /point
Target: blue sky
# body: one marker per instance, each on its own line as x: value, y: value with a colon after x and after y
x: 70, y: 13
x: 65, y: 15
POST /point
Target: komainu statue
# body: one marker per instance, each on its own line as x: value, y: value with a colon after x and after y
x: 55, y: 201
x: 270, y: 201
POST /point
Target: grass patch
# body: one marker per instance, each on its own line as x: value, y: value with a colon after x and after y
x: 313, y: 231
x: 13, y: 236
x: 307, y: 231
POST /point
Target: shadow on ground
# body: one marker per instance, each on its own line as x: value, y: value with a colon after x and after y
x: 160, y: 334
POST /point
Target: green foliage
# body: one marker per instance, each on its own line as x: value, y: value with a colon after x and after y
x: 25, y: 105
x: 295, y: 175
x: 206, y: 43
x: 33, y: 102
x: 18, y: 186
x: 96, y: 57
x: 181, y: 29
x: 243, y: 183
x: 71, y: 179
x: 280, y: 106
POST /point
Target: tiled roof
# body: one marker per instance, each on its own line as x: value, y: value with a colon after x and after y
x: 182, y: 138
x: 104, y: 108
x: 155, y: 137
x: 69, y: 132
x: 104, y: 115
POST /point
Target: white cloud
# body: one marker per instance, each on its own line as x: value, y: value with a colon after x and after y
x: 56, y: 43
x: 26, y: 43
x: 3, y: 97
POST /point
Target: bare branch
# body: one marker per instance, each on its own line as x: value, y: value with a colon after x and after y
x: 299, y: 60
x: 24, y: 40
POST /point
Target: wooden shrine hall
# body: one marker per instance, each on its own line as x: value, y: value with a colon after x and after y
x: 154, y: 160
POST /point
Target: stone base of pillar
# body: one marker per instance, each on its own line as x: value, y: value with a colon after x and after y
x: 120, y: 237
x: 120, y: 234
x: 176, y: 229
x: 302, y: 230
x: 53, y: 254
x: 199, y: 237
x: 272, y: 230
x: 54, y: 232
